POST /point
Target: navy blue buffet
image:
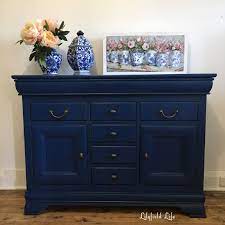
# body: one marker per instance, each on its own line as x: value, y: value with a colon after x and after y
x: 123, y: 140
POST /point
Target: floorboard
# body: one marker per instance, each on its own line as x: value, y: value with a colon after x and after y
x: 12, y: 202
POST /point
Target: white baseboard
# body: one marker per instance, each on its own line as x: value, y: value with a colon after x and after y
x: 14, y: 179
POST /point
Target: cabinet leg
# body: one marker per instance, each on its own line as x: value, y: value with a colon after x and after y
x: 33, y: 207
x: 194, y: 211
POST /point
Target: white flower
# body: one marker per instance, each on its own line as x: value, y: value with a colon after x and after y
x: 145, y: 46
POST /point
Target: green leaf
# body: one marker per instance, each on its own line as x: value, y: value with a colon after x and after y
x: 61, y: 37
x: 46, y: 26
x: 62, y: 25
x: 64, y: 32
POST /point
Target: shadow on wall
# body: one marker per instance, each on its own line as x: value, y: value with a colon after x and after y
x: 215, y: 133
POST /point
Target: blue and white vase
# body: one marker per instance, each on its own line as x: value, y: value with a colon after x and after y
x: 52, y: 63
x: 80, y: 54
x: 150, y: 57
x: 124, y: 57
x: 114, y: 56
x: 137, y: 58
x: 176, y: 59
x: 162, y: 59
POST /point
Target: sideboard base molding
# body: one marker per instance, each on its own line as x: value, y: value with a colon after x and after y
x: 197, y: 210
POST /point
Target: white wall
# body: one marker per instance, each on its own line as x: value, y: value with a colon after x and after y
x: 202, y: 20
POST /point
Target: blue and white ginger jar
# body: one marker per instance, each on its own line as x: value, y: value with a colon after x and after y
x: 124, y: 57
x: 176, y: 59
x: 162, y: 59
x: 137, y: 58
x: 52, y: 63
x: 150, y: 57
x: 80, y: 54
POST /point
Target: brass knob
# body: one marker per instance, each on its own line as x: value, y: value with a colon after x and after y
x: 146, y: 155
x: 113, y: 133
x: 114, y: 176
x: 113, y: 111
x: 113, y: 155
x: 81, y: 155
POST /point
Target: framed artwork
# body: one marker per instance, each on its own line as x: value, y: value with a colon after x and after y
x: 145, y: 54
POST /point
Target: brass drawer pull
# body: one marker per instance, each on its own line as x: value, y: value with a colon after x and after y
x: 146, y: 155
x: 81, y: 155
x: 113, y: 111
x: 58, y: 117
x: 168, y: 116
x: 113, y: 155
x: 114, y: 177
x: 113, y: 133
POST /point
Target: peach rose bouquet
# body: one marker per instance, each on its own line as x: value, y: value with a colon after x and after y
x: 45, y: 36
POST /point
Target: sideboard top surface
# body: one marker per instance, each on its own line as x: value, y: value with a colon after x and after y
x: 200, y: 83
x: 113, y: 77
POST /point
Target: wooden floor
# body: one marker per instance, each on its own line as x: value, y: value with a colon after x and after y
x: 12, y: 202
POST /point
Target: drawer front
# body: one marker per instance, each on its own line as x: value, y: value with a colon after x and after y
x: 169, y: 111
x: 113, y: 111
x: 114, y: 133
x: 113, y: 154
x: 58, y: 111
x: 115, y: 176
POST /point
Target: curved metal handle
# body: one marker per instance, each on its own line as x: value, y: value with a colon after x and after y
x: 168, y: 116
x: 56, y: 116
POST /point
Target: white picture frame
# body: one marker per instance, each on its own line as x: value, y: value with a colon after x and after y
x: 115, y: 68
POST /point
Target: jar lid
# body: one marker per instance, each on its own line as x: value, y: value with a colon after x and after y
x: 80, y: 40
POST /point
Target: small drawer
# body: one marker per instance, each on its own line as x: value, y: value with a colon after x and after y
x: 169, y: 111
x: 58, y: 111
x: 117, y: 176
x: 113, y: 133
x: 113, y: 111
x: 113, y: 154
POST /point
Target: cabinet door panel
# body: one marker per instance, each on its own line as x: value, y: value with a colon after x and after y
x: 168, y: 155
x: 57, y: 150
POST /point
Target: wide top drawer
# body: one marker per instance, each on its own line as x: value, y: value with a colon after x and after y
x: 113, y: 111
x: 58, y: 111
x: 169, y: 111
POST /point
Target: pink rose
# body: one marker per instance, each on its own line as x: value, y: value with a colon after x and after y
x: 40, y: 29
x: 49, y: 40
x: 52, y: 24
x: 29, y: 33
x: 131, y: 44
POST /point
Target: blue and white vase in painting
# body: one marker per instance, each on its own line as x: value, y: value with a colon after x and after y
x: 114, y: 56
x: 176, y: 59
x: 52, y: 63
x: 150, y: 57
x: 80, y: 54
x: 162, y: 59
x: 124, y: 57
x: 137, y: 58
x: 108, y: 56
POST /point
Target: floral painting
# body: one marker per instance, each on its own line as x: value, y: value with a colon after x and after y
x: 145, y: 54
